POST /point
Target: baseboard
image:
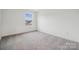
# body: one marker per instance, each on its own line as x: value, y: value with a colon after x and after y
x: 18, y: 33
x: 60, y: 36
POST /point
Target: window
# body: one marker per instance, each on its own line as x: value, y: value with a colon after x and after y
x: 28, y: 17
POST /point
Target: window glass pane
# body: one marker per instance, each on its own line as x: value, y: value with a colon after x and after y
x: 28, y: 16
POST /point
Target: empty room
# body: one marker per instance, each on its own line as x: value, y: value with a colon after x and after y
x: 39, y: 29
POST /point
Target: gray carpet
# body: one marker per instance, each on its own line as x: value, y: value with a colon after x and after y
x: 37, y: 41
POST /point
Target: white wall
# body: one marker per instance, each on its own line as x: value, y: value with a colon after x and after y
x: 0, y: 22
x: 13, y: 22
x: 62, y: 23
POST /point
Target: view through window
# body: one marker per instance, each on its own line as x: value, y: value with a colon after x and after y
x: 28, y: 18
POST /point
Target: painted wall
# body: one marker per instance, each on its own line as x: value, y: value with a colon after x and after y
x: 0, y: 22
x: 62, y: 23
x: 13, y: 22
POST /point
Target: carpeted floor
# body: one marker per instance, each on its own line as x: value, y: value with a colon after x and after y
x: 37, y: 41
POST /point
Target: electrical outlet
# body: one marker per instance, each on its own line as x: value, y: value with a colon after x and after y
x: 67, y: 33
